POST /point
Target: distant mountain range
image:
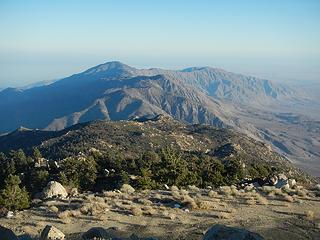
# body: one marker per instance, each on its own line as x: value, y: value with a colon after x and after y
x: 115, y: 91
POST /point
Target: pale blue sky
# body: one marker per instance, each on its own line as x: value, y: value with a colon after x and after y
x: 49, y: 39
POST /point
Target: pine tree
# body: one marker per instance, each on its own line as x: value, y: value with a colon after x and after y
x: 12, y: 196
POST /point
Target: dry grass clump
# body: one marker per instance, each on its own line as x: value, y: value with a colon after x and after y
x: 225, y: 190
x: 65, y: 216
x: 262, y: 200
x: 249, y: 188
x: 309, y: 215
x: 29, y: 230
x: 212, y: 194
x: 302, y: 192
x: 174, y: 188
x: 287, y: 198
x: 110, y: 194
x: 234, y: 191
x: 75, y: 213
x: 205, y: 205
x: 189, y: 202
x: 148, y: 210
x: 169, y: 215
x: 184, y: 192
x: 250, y: 201
x: 144, y: 201
x: 136, y: 211
x: 54, y: 209
x: 175, y: 194
x: 93, y: 208
x: 193, y: 188
x: 268, y: 189
x: 224, y: 215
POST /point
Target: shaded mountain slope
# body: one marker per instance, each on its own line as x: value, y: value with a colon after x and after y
x: 132, y: 138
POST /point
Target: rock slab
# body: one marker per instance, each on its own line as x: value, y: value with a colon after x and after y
x: 54, y: 190
x: 51, y: 233
x: 221, y: 232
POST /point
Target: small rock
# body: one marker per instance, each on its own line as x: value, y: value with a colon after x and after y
x: 10, y: 214
x: 292, y: 182
x: 51, y: 233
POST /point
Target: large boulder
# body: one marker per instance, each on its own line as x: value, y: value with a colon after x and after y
x: 126, y: 188
x: 97, y: 233
x: 54, y: 190
x: 51, y: 233
x: 7, y: 234
x: 220, y: 232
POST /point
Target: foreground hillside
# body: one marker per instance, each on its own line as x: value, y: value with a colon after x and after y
x: 154, y: 178
x: 176, y: 214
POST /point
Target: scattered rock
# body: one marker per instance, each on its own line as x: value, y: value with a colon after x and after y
x: 54, y: 190
x: 10, y: 214
x: 7, y: 234
x: 97, y: 233
x: 126, y: 188
x: 292, y: 182
x: 218, y: 232
x: 51, y: 233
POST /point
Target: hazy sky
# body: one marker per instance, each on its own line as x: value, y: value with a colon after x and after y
x: 49, y: 39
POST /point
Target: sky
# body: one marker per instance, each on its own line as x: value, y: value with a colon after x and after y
x: 45, y: 39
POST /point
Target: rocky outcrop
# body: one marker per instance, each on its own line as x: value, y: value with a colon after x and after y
x: 7, y: 234
x: 97, y: 233
x: 51, y: 233
x: 54, y: 190
x: 218, y: 232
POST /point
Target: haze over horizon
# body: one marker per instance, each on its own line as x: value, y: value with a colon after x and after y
x: 44, y: 40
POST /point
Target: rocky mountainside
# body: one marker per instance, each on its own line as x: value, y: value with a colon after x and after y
x: 115, y: 91
x: 131, y: 139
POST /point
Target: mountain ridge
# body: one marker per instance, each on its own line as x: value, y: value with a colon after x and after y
x: 115, y: 91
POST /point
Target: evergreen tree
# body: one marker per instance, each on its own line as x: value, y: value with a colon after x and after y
x: 12, y: 196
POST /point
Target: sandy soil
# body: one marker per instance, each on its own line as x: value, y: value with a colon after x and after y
x: 155, y: 213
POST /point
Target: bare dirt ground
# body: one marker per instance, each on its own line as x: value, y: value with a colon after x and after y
x: 177, y: 214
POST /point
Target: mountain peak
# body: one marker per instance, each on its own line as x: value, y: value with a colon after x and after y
x: 113, y: 67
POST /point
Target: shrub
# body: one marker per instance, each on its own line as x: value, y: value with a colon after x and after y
x: 212, y: 194
x: 309, y: 215
x: 54, y: 209
x: 12, y: 196
x: 262, y: 200
x: 287, y: 198
x: 136, y: 211
x: 225, y: 190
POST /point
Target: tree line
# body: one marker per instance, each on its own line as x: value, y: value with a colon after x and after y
x: 21, y: 177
